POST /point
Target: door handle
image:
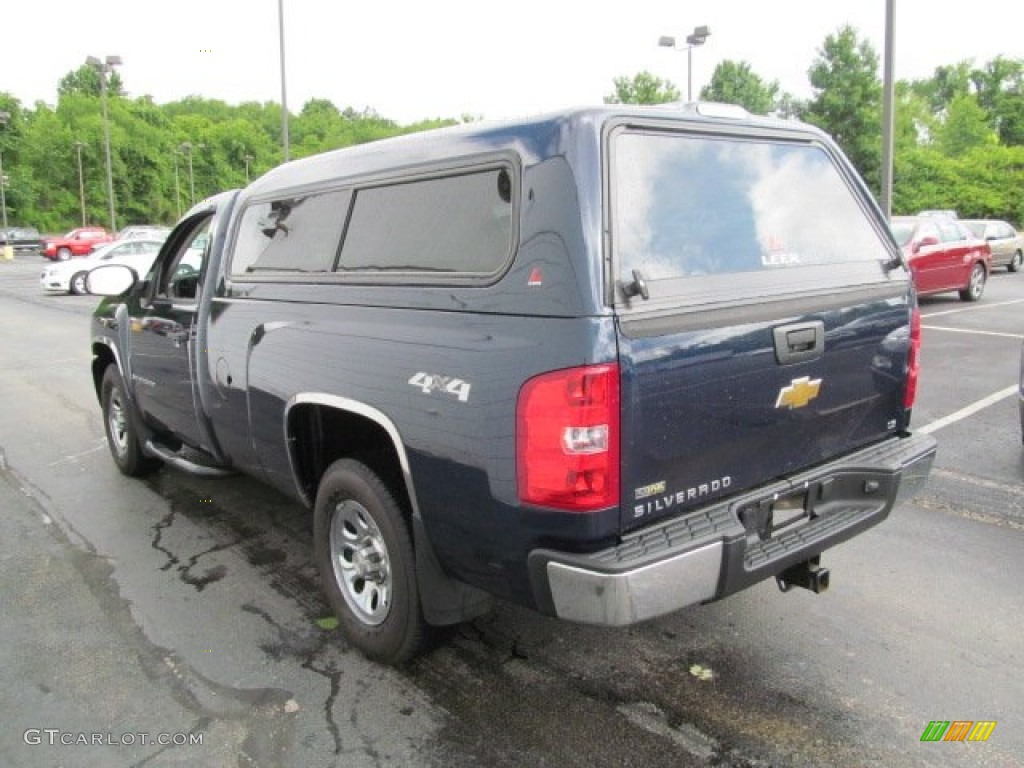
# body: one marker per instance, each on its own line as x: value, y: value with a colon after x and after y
x: 799, y: 342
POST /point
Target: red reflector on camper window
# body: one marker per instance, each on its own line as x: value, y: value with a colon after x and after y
x: 567, y: 439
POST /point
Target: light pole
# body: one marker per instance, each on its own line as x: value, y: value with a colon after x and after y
x: 4, y: 119
x: 104, y: 68
x: 177, y: 187
x: 888, y: 112
x: 248, y: 158
x: 81, y: 181
x: 699, y: 36
x: 284, y: 93
x: 186, y: 147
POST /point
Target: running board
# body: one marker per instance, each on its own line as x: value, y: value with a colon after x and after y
x: 178, y: 461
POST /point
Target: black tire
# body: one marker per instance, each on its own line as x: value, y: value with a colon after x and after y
x: 975, y: 284
x: 63, y: 254
x: 76, y: 285
x: 119, y: 423
x: 1015, y: 262
x: 363, y: 549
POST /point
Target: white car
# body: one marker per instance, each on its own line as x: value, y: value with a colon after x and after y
x: 69, y: 276
x: 144, y: 232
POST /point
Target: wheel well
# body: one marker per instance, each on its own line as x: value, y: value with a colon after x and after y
x: 319, y: 435
x: 102, y: 357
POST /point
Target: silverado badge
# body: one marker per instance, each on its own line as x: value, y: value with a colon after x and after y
x: 798, y: 393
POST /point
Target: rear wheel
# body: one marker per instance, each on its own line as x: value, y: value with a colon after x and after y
x: 122, y: 434
x: 363, y: 548
x: 975, y: 285
x: 1015, y: 262
x: 77, y: 284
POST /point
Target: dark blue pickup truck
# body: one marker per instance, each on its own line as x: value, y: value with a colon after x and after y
x: 605, y: 363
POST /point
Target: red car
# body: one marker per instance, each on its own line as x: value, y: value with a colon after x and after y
x: 77, y: 242
x: 944, y: 255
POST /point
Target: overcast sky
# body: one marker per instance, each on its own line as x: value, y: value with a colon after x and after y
x: 413, y: 59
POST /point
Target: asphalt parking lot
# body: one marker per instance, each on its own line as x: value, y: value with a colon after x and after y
x: 178, y: 621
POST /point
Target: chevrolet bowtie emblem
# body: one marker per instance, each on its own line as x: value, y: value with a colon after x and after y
x: 798, y: 393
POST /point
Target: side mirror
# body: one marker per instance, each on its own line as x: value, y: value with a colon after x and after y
x: 111, y: 280
x: 924, y: 242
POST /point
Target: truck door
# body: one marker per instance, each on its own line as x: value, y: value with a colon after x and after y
x: 164, y: 331
x: 956, y: 255
x: 928, y: 259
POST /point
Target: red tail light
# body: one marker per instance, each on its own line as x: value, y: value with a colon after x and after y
x: 567, y: 439
x: 913, y: 360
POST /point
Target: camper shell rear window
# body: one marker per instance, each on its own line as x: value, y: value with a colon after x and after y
x: 689, y: 208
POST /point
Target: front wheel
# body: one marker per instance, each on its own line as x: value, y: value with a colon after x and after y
x: 77, y: 284
x: 363, y: 549
x: 975, y: 285
x: 122, y: 435
x: 63, y: 254
x: 1015, y: 261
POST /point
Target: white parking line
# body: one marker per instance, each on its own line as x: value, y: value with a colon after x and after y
x: 978, y: 333
x: 973, y: 308
x: 971, y: 409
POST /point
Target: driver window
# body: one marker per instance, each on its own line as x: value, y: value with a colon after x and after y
x: 181, y: 279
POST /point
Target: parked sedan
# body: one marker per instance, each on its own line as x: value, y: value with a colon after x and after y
x: 1007, y: 244
x: 70, y: 276
x: 144, y: 232
x: 22, y: 239
x: 943, y: 255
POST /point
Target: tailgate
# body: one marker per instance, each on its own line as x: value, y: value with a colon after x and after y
x: 763, y: 315
x: 708, y: 412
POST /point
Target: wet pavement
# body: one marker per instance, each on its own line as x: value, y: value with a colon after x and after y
x: 189, y: 607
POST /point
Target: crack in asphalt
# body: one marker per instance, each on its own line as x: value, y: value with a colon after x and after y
x: 333, y: 675
x: 166, y: 522
x: 306, y: 649
x: 214, y: 574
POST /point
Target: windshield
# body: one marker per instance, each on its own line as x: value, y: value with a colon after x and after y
x: 688, y: 205
x: 902, y: 231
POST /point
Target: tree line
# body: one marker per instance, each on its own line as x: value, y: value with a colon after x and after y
x: 164, y: 157
x: 959, y: 138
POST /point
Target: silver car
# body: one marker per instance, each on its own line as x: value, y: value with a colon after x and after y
x: 1007, y: 244
x: 70, y: 276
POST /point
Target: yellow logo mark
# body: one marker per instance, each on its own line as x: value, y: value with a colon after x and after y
x: 798, y: 393
x: 982, y: 730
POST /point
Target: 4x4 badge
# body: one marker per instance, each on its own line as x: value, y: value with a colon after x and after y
x: 798, y: 393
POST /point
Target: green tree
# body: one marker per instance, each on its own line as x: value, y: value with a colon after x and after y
x: 642, y: 88
x: 847, y: 100
x: 914, y: 121
x: 966, y: 126
x: 948, y: 82
x: 983, y: 182
x: 736, y: 83
x: 86, y: 80
x: 1000, y: 90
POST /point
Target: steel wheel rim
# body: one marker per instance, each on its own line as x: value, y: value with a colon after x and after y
x: 977, y: 281
x: 117, y: 423
x: 78, y: 284
x: 360, y: 561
